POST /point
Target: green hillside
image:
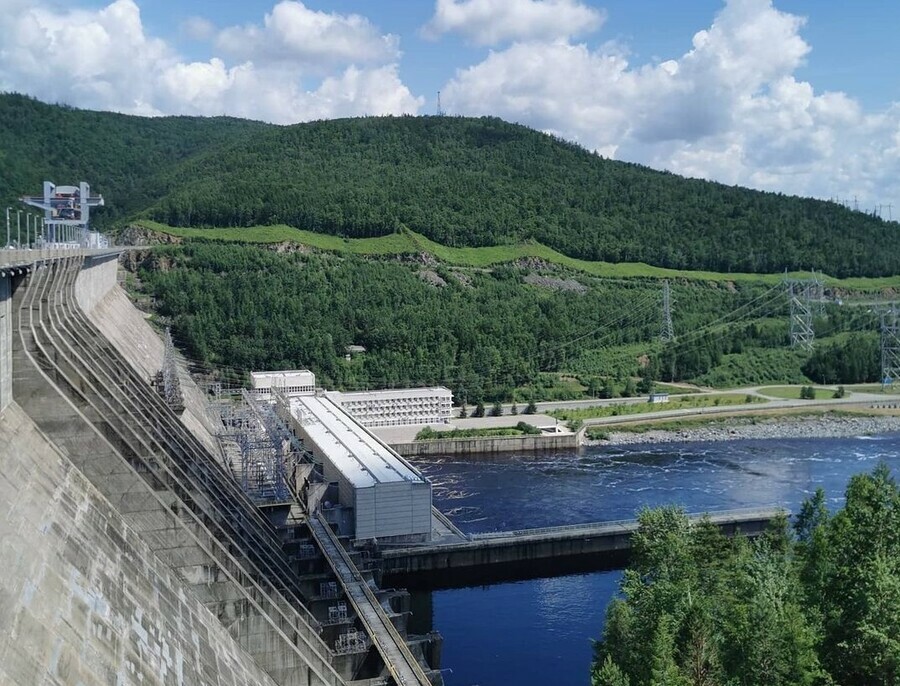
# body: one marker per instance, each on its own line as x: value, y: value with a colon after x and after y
x: 117, y: 154
x: 525, y: 330
x: 407, y: 243
x: 460, y: 182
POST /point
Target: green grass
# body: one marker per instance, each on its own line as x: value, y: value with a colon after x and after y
x: 408, y: 242
x: 660, y: 387
x: 793, y: 392
x: 429, y: 434
x: 550, y: 386
x: 687, y: 402
x: 873, y: 388
x: 755, y: 367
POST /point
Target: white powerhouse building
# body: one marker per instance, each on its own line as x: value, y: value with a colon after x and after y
x: 397, y: 407
x: 389, y: 497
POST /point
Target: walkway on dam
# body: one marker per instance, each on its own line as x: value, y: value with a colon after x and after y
x: 13, y: 258
x: 401, y: 663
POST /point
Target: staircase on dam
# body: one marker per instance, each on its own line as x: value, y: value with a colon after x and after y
x: 167, y: 485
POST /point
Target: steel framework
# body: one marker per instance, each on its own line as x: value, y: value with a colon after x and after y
x: 258, y: 446
x: 890, y: 346
x: 666, y: 331
x: 806, y: 299
x: 166, y: 379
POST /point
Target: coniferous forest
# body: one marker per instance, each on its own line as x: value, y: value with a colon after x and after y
x: 486, y: 334
x: 459, y: 181
x: 817, y: 602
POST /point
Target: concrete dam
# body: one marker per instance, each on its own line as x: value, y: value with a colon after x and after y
x: 132, y: 554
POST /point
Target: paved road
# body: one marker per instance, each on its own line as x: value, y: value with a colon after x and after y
x: 862, y: 399
x: 549, y: 406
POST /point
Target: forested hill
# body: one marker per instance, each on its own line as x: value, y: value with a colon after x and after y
x: 483, y: 181
x: 117, y: 154
x: 459, y: 181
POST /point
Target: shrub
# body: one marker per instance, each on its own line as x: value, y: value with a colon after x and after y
x: 528, y: 429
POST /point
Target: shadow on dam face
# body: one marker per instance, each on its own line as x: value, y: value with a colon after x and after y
x: 505, y: 572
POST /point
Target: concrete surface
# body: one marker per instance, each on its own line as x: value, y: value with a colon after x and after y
x: 127, y: 329
x: 407, y: 434
x: 84, y: 600
x: 89, y: 404
x: 5, y: 342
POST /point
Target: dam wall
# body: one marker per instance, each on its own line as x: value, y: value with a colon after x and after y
x: 184, y: 567
x: 5, y: 341
x: 108, y: 307
x: 96, y: 279
x: 84, y: 599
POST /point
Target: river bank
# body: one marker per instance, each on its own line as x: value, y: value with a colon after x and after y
x: 737, y: 428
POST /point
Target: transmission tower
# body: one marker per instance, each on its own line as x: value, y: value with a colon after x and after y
x: 803, y: 297
x: 166, y: 381
x: 440, y: 110
x: 666, y: 331
x: 890, y: 346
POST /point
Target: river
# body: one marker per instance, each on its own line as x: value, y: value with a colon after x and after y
x: 539, y: 632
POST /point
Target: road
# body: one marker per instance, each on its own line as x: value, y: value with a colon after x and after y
x: 550, y: 406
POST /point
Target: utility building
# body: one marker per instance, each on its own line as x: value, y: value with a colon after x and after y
x: 389, y: 497
x: 289, y: 382
x: 397, y: 407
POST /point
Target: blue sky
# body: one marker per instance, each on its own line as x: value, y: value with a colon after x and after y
x: 797, y: 96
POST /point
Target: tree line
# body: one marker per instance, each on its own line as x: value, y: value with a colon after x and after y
x: 812, y: 603
x: 460, y: 181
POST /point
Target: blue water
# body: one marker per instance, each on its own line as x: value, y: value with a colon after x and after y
x: 539, y: 632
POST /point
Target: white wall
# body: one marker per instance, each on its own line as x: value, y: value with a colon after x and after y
x: 95, y: 280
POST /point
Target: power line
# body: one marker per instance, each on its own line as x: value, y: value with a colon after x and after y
x: 667, y: 333
x: 733, y: 317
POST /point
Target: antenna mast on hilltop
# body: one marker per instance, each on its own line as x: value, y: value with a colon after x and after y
x: 440, y: 110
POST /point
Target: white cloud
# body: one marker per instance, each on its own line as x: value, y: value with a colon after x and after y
x: 105, y: 60
x: 489, y: 22
x: 212, y: 88
x: 198, y: 28
x: 294, y: 34
x: 729, y: 109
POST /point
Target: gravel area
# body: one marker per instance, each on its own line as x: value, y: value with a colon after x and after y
x: 776, y: 427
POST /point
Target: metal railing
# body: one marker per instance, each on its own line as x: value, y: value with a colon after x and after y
x: 413, y: 674
x: 713, y: 515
